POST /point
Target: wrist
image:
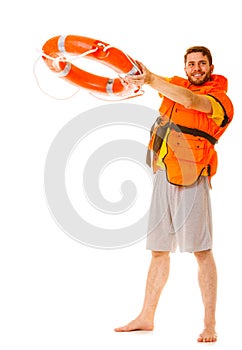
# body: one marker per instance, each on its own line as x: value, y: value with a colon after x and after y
x: 150, y: 78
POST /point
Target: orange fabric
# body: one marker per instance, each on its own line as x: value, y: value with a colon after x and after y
x: 188, y: 156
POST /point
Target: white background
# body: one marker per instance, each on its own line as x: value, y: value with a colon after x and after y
x: 55, y: 292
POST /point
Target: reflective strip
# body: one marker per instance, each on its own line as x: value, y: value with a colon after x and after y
x: 109, y: 86
x: 61, y: 44
x: 133, y: 71
x: 65, y: 71
x: 61, y: 48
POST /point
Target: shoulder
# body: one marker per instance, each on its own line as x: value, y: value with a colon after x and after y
x: 219, y: 93
x: 219, y: 82
x: 179, y: 81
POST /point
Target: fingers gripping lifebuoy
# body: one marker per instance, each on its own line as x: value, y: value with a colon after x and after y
x: 55, y: 49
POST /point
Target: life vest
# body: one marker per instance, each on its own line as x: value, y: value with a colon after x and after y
x: 190, y: 134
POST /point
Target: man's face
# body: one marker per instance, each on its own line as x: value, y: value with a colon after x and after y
x: 197, y: 68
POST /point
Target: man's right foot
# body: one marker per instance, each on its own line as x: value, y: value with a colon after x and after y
x: 136, y: 325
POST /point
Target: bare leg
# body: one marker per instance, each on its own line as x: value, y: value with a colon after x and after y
x: 207, y: 277
x: 156, y: 280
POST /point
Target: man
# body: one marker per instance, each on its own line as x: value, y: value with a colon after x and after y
x: 194, y: 113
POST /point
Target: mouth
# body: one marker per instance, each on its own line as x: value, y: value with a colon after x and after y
x: 197, y: 75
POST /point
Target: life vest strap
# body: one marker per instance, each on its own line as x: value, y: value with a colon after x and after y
x: 194, y: 132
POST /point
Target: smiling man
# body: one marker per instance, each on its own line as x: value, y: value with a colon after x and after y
x: 194, y: 113
x: 198, y: 66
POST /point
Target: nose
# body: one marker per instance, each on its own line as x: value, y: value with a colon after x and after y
x: 196, y: 66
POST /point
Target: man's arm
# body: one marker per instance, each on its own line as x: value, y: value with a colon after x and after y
x: 175, y: 93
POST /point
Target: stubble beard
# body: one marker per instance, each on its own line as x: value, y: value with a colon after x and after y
x: 206, y: 78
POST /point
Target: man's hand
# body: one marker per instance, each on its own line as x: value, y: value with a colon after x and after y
x: 141, y: 79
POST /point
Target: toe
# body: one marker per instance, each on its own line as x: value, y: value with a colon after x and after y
x: 204, y: 339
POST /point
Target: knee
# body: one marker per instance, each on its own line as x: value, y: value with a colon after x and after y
x: 158, y: 254
x: 203, y: 255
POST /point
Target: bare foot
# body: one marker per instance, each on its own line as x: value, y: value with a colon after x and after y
x: 207, y: 336
x: 136, y: 325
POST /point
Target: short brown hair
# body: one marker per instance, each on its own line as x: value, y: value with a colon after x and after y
x: 205, y: 51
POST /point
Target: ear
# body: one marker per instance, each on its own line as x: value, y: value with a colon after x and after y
x: 211, y: 68
x: 185, y: 71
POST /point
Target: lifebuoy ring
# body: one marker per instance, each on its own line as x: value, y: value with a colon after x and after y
x: 55, y: 49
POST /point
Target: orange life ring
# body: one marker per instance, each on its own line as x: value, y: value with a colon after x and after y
x: 54, y: 51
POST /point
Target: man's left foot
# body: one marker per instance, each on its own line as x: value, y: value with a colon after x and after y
x: 207, y: 336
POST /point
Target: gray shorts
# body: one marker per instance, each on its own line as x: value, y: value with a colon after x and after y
x: 179, y: 216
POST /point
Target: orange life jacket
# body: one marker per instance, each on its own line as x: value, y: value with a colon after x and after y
x: 190, y: 134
